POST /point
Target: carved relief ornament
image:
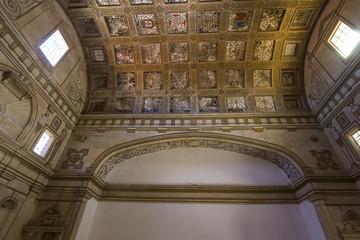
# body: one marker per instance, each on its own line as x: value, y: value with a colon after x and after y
x: 291, y: 171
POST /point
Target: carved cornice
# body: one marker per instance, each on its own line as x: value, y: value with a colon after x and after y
x: 201, y: 122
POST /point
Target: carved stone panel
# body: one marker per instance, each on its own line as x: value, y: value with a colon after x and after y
x: 324, y: 160
x: 235, y: 51
x: 117, y: 25
x: 265, y: 103
x: 177, y: 22
x: 151, y: 53
x: 207, y: 79
x: 126, y: 81
x: 152, y: 81
x: 208, y: 104
x: 89, y: 27
x: 179, y: 52
x: 208, y: 22
x: 240, y: 20
x: 146, y: 24
x: 235, y: 78
x: 152, y: 105
x: 207, y: 51
x: 236, y: 104
x: 124, y: 54
x: 75, y: 159
x: 263, y: 50
x: 271, y: 19
x: 108, y: 2
x: 179, y: 79
x: 180, y: 105
x: 124, y: 105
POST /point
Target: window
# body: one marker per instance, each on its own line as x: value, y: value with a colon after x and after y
x: 356, y: 137
x: 344, y: 39
x: 44, y: 143
x: 54, y: 48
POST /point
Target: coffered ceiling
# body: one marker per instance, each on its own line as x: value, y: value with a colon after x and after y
x: 194, y: 56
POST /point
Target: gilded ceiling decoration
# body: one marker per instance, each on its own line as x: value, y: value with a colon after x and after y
x: 194, y: 56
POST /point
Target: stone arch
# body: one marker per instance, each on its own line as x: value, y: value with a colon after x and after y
x: 17, y: 103
x: 284, y: 159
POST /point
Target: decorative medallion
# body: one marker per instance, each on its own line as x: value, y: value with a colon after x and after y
x: 207, y: 79
x: 208, y: 104
x: 207, y: 51
x: 108, y: 2
x: 240, y: 21
x: 262, y: 78
x: 179, y: 79
x: 271, y: 19
x: 236, y: 104
x: 235, y: 51
x: 152, y: 105
x: 179, y: 52
x: 117, y: 25
x: 141, y: 2
x: 146, y: 24
x: 177, y: 22
x: 89, y: 27
x: 208, y: 22
x: 180, y: 105
x: 124, y: 54
x: 265, y: 103
x: 263, y: 50
x: 152, y: 81
x: 124, y: 105
x: 151, y: 53
x: 74, y: 159
x: 126, y: 80
x: 235, y: 78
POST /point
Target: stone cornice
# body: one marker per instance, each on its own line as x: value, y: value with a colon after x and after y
x: 201, y: 122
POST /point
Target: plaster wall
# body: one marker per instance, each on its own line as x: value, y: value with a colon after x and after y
x: 125, y: 220
x: 197, y: 166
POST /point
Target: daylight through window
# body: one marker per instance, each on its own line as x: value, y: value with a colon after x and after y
x: 44, y: 143
x: 344, y: 39
x: 54, y: 48
x: 356, y: 137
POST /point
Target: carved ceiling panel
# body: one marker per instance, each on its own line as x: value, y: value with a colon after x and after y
x: 194, y: 56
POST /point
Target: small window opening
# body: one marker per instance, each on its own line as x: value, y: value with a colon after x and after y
x: 344, y: 39
x: 356, y: 137
x: 54, y: 48
x: 44, y: 143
